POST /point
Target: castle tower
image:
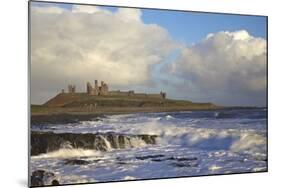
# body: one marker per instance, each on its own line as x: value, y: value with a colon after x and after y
x: 163, y: 95
x: 71, y: 88
x: 96, y: 84
x: 89, y: 88
x: 103, y: 88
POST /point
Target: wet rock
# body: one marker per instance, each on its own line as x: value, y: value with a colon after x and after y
x: 184, y: 158
x: 55, y: 182
x: 149, y: 157
x: 121, y: 163
x: 37, y: 178
x: 43, y: 142
x: 42, y: 178
x: 185, y: 162
x: 159, y: 158
x: 97, y: 119
x: 76, y: 162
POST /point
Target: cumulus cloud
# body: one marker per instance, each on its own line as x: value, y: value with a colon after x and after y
x: 85, y: 9
x: 90, y: 42
x: 87, y: 43
x: 231, y: 65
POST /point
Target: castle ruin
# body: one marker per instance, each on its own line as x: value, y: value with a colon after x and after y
x: 71, y: 88
x: 97, y: 90
x: 103, y: 90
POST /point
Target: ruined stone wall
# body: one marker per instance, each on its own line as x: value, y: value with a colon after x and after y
x: 154, y: 96
x: 118, y: 93
x: 161, y: 95
x: 90, y: 89
x: 97, y: 90
x: 140, y: 95
x: 104, y: 90
x: 71, y: 88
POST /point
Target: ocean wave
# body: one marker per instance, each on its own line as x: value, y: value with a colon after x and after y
x: 224, y: 115
x: 203, y: 138
x: 68, y: 153
x: 169, y: 117
x: 252, y: 142
x: 48, y: 142
x: 215, y: 134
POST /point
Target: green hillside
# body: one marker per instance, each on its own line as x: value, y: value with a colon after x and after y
x: 83, y: 100
x: 82, y: 103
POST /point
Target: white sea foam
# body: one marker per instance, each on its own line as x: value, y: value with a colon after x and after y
x: 171, y: 130
x: 220, y: 145
x: 233, y: 139
x: 169, y: 117
x: 214, y: 168
x: 129, y: 178
x: 252, y: 142
x: 68, y: 153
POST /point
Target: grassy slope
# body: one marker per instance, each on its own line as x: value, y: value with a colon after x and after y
x: 83, y: 103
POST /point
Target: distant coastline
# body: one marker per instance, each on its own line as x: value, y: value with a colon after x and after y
x: 98, y: 101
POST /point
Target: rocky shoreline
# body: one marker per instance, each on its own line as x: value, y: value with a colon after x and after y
x: 44, y: 142
x: 43, y: 178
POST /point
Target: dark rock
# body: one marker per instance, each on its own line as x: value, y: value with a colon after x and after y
x: 121, y: 163
x: 185, y: 159
x: 43, y: 142
x: 55, y: 182
x: 185, y: 163
x: 159, y: 158
x: 37, y: 178
x: 97, y: 119
x: 76, y: 162
x: 149, y: 157
x: 42, y: 177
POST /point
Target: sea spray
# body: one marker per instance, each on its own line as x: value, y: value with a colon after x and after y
x: 153, y: 145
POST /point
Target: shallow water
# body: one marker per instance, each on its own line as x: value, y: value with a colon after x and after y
x: 188, y: 144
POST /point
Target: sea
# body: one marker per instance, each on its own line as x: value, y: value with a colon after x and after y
x: 185, y: 144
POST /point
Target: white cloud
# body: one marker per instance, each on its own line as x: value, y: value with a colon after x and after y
x: 129, y: 14
x: 85, y: 9
x: 87, y: 43
x: 232, y: 63
x: 48, y: 10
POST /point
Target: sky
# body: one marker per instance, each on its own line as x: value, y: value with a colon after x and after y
x: 203, y: 57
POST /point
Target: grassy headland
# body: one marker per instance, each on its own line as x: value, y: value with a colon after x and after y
x: 70, y: 107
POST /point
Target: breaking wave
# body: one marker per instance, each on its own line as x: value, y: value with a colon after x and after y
x: 152, y: 145
x: 45, y: 142
x: 137, y: 130
x: 208, y: 139
x: 68, y: 153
